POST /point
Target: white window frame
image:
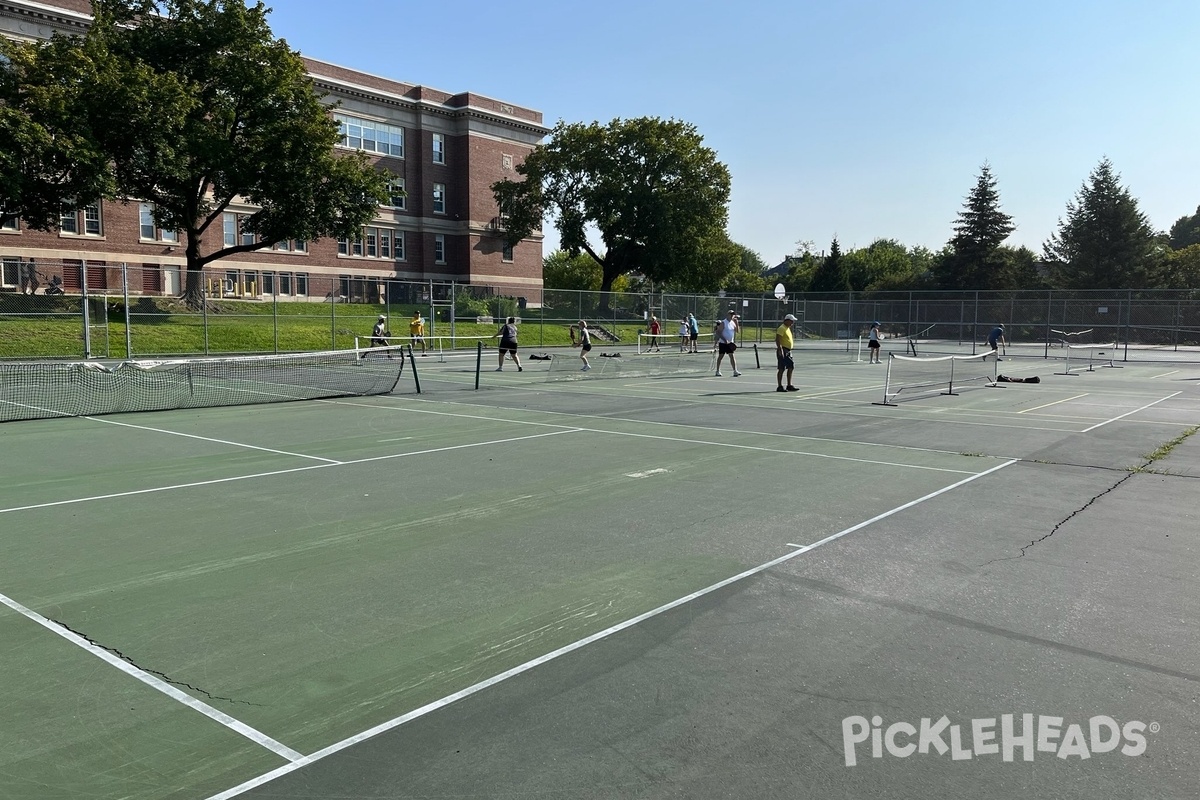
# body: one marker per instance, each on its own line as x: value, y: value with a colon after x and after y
x: 87, y: 221
x: 376, y: 242
x: 439, y: 148
x: 359, y: 133
x: 157, y: 234
x: 439, y: 198
x: 397, y: 200
x: 439, y: 248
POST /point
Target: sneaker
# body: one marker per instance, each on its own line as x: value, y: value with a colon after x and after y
x: 737, y: 374
x: 585, y: 367
x: 792, y: 389
x: 780, y: 389
x: 520, y: 369
x: 499, y: 369
x: 719, y: 375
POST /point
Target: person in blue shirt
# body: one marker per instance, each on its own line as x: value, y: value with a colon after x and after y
x: 995, y: 338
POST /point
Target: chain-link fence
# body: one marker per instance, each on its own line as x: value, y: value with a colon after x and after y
x: 77, y: 309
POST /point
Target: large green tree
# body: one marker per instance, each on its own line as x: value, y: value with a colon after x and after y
x: 832, y: 273
x: 195, y: 104
x: 981, y: 228
x: 1105, y: 242
x: 1186, y: 231
x: 655, y: 195
x: 48, y: 153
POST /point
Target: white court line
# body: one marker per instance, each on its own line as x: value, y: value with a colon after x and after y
x: 401, y: 439
x: 1056, y: 402
x: 1127, y: 413
x: 647, y: 473
x: 1165, y: 374
x: 562, y: 651
x: 154, y: 682
x: 210, y: 439
x: 231, y: 479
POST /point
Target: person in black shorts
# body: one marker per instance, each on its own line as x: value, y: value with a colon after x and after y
x: 873, y: 342
x: 508, y: 344
x: 585, y: 344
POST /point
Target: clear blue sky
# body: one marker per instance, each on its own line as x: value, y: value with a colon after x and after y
x: 858, y: 118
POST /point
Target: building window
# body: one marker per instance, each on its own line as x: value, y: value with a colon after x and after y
x: 291, y: 246
x: 439, y: 148
x: 302, y: 284
x: 374, y: 137
x: 9, y: 222
x: 268, y: 283
x: 398, y: 196
x: 506, y: 254
x: 439, y: 198
x: 381, y: 243
x: 229, y: 224
x: 11, y: 273
x: 149, y: 231
x: 82, y: 222
x: 439, y: 248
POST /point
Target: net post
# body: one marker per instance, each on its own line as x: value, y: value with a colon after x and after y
x: 1066, y: 361
x: 478, y: 362
x: 887, y: 382
x: 950, y: 385
x: 413, y: 363
x: 757, y: 363
x: 125, y: 290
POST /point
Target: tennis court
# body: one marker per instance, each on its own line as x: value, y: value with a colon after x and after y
x: 643, y: 581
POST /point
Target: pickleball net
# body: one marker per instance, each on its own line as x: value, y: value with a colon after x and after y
x: 1086, y: 357
x: 914, y: 376
x: 611, y: 362
x: 38, y: 390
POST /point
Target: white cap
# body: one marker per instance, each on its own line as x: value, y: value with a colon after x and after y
x: 789, y: 316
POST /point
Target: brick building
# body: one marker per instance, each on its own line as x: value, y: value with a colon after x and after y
x: 448, y: 148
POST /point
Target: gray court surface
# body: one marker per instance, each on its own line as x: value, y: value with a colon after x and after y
x: 779, y: 595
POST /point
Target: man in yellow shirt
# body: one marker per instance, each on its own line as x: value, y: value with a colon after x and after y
x: 783, y: 354
x: 416, y: 329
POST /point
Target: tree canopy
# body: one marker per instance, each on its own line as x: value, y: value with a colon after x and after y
x: 656, y: 196
x: 1105, y: 242
x: 832, y: 274
x: 190, y: 105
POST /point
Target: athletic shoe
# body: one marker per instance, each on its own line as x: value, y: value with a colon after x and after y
x: 737, y: 374
x: 780, y: 389
x: 499, y: 369
x: 792, y: 389
x: 585, y: 367
x: 719, y: 375
x: 520, y: 369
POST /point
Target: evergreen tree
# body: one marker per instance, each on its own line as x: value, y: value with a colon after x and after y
x: 975, y: 261
x: 1105, y: 242
x: 1186, y: 231
x: 832, y: 274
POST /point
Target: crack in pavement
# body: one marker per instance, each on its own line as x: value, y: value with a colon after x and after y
x: 154, y: 672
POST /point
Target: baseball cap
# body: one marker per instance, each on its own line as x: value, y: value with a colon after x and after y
x: 791, y: 317
x: 382, y: 316
x: 875, y: 323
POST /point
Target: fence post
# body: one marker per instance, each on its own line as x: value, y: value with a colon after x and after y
x: 204, y: 311
x: 275, y: 310
x: 975, y: 325
x: 87, y: 322
x: 1128, y: 315
x: 125, y: 287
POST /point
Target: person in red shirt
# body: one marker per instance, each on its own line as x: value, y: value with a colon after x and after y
x: 655, y: 330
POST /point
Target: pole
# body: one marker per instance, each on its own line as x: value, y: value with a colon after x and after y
x: 128, y: 333
x: 87, y: 329
x: 413, y: 362
x: 478, y: 362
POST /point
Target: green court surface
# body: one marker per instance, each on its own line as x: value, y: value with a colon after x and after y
x: 617, y: 584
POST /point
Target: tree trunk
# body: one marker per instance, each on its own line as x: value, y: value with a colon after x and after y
x: 193, y: 288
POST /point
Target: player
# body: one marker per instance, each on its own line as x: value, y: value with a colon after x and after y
x: 995, y: 338
x: 585, y: 344
x: 416, y: 330
x: 873, y: 343
x: 783, y: 354
x: 655, y: 330
x: 726, y: 333
x: 508, y: 344
x: 380, y: 332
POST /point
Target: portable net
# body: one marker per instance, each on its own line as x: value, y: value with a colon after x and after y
x: 36, y: 390
x: 1086, y: 357
x: 912, y: 376
x: 672, y: 342
x: 623, y: 363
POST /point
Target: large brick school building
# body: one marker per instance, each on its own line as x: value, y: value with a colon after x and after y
x: 449, y: 148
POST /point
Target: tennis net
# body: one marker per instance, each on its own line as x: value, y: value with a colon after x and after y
x: 674, y: 343
x: 916, y: 375
x: 37, y: 390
